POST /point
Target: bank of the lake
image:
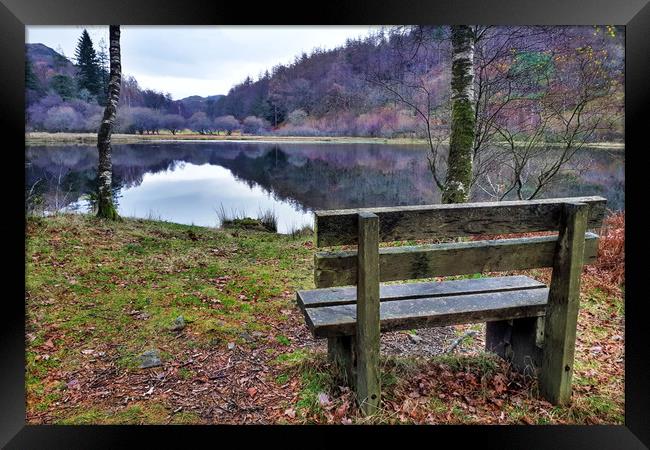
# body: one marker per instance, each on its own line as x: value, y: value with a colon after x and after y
x: 39, y: 138
x: 99, y: 294
x: 54, y: 139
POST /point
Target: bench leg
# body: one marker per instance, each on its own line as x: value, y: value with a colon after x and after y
x: 518, y: 341
x: 368, y: 319
x: 562, y: 310
x: 341, y: 352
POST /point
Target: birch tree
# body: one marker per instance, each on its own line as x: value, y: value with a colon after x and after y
x: 105, y: 207
x: 461, y: 142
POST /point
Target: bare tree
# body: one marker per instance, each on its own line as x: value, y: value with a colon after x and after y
x: 105, y: 207
x: 533, y: 87
x: 575, y: 103
x: 413, y: 77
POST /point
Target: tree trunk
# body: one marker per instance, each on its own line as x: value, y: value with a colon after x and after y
x: 459, y: 164
x: 105, y: 206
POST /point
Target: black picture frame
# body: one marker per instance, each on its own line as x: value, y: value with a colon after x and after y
x: 15, y: 14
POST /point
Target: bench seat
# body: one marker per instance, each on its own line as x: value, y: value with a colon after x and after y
x: 331, y: 312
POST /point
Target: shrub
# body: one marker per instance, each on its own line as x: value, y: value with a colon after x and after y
x: 255, y: 125
x: 141, y: 120
x: 62, y: 118
x: 201, y: 123
x: 172, y: 122
x: 92, y: 123
x: 226, y: 123
x: 297, y: 117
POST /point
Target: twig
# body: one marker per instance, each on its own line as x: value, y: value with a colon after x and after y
x: 457, y: 342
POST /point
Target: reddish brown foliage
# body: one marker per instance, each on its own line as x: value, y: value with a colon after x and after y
x: 609, y: 270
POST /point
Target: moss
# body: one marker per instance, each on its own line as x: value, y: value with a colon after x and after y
x: 461, y: 142
x: 459, y: 165
x: 246, y: 223
x: 106, y: 209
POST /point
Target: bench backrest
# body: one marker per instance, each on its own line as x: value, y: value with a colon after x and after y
x: 340, y: 227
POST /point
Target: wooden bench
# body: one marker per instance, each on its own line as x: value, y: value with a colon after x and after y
x: 530, y: 324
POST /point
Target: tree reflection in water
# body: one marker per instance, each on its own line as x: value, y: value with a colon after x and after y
x: 291, y: 177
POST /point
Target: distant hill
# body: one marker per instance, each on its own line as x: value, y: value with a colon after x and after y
x: 188, y: 105
x: 47, y: 62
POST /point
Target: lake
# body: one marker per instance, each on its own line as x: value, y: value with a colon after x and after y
x: 187, y: 182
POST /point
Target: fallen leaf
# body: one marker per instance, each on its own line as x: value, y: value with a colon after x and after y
x: 323, y: 399
x: 341, y: 410
x: 528, y: 420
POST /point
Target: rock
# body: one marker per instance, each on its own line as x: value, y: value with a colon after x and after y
x: 179, y: 324
x: 415, y: 338
x: 150, y: 358
x: 231, y: 345
x: 246, y: 337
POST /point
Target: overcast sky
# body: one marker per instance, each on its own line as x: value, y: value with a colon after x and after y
x: 200, y: 60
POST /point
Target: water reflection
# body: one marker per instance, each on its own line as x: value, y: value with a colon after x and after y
x: 186, y: 182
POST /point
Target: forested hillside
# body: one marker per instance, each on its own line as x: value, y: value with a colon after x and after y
x: 381, y: 85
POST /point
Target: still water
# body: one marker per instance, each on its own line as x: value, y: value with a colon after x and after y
x: 188, y: 182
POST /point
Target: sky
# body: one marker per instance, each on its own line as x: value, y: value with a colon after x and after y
x: 200, y: 60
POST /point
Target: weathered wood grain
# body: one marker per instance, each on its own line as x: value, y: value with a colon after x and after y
x: 339, y: 227
x: 340, y: 320
x: 390, y: 292
x: 516, y: 341
x: 562, y: 311
x: 341, y: 351
x: 425, y: 261
x: 367, y: 312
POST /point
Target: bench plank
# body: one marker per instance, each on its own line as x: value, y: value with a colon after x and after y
x: 329, y: 321
x: 339, y: 227
x: 390, y: 292
x: 425, y: 261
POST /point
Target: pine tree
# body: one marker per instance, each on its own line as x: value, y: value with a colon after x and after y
x: 31, y: 81
x: 90, y: 76
x: 59, y: 59
x: 103, y: 61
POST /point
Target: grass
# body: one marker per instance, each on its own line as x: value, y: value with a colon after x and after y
x: 100, y: 293
x: 131, y: 415
x: 304, y: 231
x: 43, y: 138
x: 266, y: 220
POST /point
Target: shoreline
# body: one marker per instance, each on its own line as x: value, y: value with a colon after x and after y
x: 54, y: 139
x: 60, y: 139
